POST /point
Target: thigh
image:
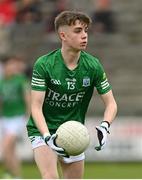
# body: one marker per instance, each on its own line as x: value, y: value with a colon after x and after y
x: 46, y: 161
x: 8, y: 143
x: 74, y: 170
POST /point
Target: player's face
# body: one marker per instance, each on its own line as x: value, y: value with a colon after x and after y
x: 11, y: 67
x: 76, y: 36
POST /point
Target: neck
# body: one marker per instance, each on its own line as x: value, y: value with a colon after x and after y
x: 70, y: 57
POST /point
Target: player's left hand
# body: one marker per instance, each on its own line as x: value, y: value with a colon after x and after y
x: 102, y: 133
x: 50, y: 141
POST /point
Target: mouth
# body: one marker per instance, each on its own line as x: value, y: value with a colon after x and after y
x: 83, y: 43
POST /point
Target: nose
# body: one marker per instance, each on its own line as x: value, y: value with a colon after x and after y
x: 84, y: 35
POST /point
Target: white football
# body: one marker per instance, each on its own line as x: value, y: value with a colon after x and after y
x: 73, y: 137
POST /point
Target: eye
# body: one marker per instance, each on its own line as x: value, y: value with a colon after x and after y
x: 77, y: 30
x: 86, y: 30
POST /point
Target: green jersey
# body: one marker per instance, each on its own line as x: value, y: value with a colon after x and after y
x: 68, y: 92
x: 12, y: 95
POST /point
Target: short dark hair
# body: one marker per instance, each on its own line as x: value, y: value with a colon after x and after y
x: 8, y: 58
x: 69, y: 18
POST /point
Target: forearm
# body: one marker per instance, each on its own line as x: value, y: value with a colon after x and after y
x: 40, y: 120
x: 103, y: 129
x: 110, y: 112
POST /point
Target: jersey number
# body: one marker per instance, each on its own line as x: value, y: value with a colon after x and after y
x: 71, y: 85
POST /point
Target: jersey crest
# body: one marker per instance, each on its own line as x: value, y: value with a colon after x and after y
x: 86, y: 81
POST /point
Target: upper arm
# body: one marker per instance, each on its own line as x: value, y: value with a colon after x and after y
x: 37, y: 99
x: 101, y: 82
x: 39, y: 76
x: 38, y: 84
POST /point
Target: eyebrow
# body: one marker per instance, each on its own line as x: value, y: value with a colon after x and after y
x: 78, y: 28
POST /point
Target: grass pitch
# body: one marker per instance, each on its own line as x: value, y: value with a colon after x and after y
x: 95, y: 170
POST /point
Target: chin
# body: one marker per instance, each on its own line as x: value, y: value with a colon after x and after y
x: 83, y: 48
x: 79, y: 48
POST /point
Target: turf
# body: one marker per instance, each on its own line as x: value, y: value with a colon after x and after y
x: 93, y: 171
x: 113, y: 171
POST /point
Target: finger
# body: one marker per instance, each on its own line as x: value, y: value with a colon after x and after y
x: 103, y: 145
x: 99, y: 128
x: 54, y: 136
x: 100, y: 137
x: 59, y: 149
x: 98, y: 148
x: 66, y: 156
x: 63, y: 155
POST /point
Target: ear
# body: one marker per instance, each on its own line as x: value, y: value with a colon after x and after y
x: 62, y: 35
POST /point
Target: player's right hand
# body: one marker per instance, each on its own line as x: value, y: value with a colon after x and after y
x: 50, y: 141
